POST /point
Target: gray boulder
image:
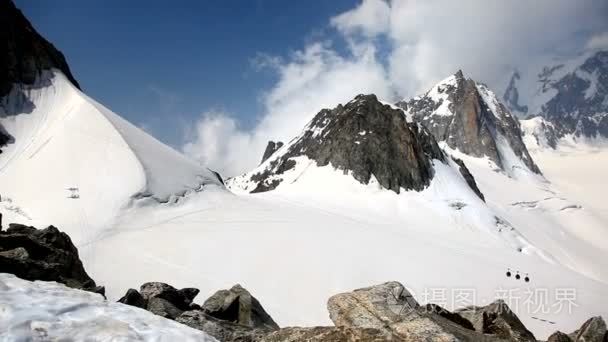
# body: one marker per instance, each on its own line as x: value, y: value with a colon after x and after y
x: 390, y: 309
x: 559, y: 336
x: 324, y: 334
x: 220, y: 329
x: 181, y: 299
x: 237, y: 305
x: 497, y: 319
x: 133, y: 298
x: 162, y: 307
x: 43, y: 254
x: 593, y: 330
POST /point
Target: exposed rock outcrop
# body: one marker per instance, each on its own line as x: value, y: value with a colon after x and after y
x: 593, y: 330
x: 25, y: 57
x: 497, y: 319
x: 364, y: 138
x: 27, y: 53
x: 390, y: 309
x: 579, y: 104
x: 271, y: 148
x: 228, y: 315
x: 469, y: 118
x: 43, y: 254
x: 237, y: 305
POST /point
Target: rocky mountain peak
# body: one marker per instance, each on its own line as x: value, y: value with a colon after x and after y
x: 580, y: 103
x: 364, y: 138
x: 26, y: 55
x: 468, y: 117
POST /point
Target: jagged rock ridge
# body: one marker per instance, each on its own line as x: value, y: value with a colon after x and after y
x: 468, y: 117
x: 364, y: 138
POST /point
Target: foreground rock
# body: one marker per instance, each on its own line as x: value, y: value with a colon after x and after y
x: 497, y: 319
x: 43, y: 254
x: 239, y: 306
x: 391, y: 310
x: 228, y: 315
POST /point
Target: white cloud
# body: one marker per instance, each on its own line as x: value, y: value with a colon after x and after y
x: 599, y: 41
x: 217, y: 142
x: 370, y: 18
x: 424, y: 41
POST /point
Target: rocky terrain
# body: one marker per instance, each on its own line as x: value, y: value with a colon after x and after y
x: 364, y: 138
x: 43, y: 254
x: 383, y: 312
x: 468, y: 117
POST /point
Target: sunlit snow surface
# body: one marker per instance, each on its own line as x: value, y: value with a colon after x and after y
x: 47, y: 311
x: 320, y: 233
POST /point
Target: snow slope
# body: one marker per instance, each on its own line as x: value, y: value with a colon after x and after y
x: 48, y: 311
x: 293, y: 248
x: 70, y: 141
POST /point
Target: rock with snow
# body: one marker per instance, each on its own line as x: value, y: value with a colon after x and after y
x: 364, y: 138
x: 571, y: 94
x: 497, y: 319
x: 48, y: 311
x: 237, y: 305
x: 468, y: 117
x: 43, y: 254
x: 580, y: 98
x: 271, y: 148
x: 468, y: 177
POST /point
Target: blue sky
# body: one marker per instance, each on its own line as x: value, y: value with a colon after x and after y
x: 161, y: 65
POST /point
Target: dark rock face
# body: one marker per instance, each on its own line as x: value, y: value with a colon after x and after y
x: 181, y: 299
x: 469, y: 118
x: 24, y: 58
x: 133, y: 298
x: 27, y: 53
x: 454, y: 317
x: 271, y: 148
x: 237, y: 305
x: 364, y: 138
x: 468, y: 177
x: 497, y: 319
x: 43, y: 254
x: 511, y: 96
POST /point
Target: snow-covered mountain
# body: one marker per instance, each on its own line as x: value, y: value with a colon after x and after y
x: 366, y: 139
x: 362, y: 196
x: 571, y: 95
x: 65, y: 156
x: 468, y: 117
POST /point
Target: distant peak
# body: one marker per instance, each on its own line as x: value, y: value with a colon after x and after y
x: 459, y: 74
